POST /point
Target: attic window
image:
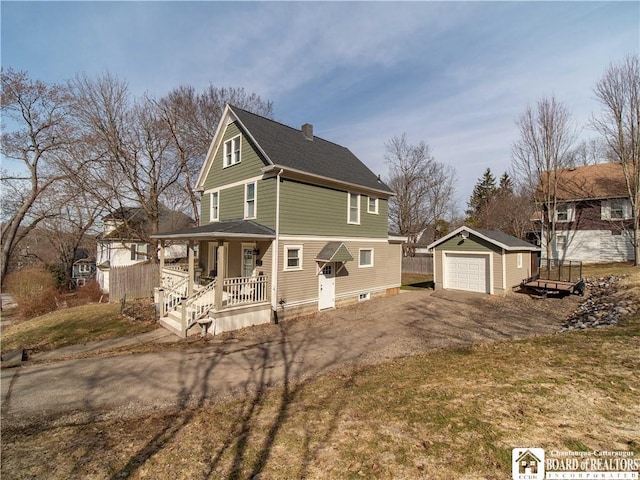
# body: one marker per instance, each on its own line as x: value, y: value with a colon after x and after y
x: 232, y: 152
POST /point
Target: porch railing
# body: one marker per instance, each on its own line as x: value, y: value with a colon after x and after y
x: 174, y: 277
x: 237, y: 291
x: 245, y: 290
x: 173, y: 274
x: 199, y: 304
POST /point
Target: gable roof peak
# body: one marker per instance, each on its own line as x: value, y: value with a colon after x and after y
x: 286, y: 147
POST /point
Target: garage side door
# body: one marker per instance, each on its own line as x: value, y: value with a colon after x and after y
x: 467, y: 272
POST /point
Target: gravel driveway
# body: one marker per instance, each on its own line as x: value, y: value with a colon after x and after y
x: 258, y: 357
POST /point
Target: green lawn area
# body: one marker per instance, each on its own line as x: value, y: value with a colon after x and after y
x: 72, y: 326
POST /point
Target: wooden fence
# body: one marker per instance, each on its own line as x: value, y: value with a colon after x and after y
x: 134, y: 281
x: 418, y: 265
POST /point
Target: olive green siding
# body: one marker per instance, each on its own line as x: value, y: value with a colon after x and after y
x: 516, y: 275
x: 250, y: 163
x: 266, y: 202
x: 301, y: 286
x: 471, y: 244
x: 231, y: 203
x: 312, y: 210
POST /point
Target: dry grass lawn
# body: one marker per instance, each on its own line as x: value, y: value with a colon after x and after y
x: 441, y: 415
x: 72, y: 326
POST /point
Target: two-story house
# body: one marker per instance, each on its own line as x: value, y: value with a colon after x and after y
x: 593, y: 215
x: 291, y: 224
x: 125, y: 239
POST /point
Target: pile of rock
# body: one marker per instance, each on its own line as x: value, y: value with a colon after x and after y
x: 603, y: 307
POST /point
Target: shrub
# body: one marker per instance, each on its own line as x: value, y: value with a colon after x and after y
x: 33, y: 289
x: 90, y: 291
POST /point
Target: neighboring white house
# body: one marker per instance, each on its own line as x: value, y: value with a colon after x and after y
x: 121, y: 243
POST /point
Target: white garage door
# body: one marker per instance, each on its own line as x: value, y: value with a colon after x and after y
x: 466, y: 272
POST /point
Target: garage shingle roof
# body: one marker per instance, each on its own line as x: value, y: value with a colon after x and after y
x: 501, y: 239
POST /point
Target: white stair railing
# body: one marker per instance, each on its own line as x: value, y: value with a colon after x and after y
x: 199, y: 304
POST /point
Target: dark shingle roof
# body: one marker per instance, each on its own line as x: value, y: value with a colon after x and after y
x: 504, y: 238
x: 222, y: 229
x: 288, y: 147
x: 133, y: 222
x: 501, y: 239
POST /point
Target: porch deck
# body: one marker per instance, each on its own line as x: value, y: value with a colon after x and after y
x: 218, y: 306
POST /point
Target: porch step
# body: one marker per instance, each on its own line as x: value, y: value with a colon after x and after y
x: 171, y: 324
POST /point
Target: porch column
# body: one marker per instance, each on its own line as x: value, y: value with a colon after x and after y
x: 161, y: 259
x: 220, y: 276
x: 191, y: 268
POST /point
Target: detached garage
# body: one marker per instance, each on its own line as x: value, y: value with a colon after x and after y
x: 484, y: 261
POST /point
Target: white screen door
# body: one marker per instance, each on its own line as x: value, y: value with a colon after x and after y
x: 327, y: 287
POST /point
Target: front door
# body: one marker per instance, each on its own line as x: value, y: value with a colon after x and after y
x: 327, y: 287
x: 248, y: 261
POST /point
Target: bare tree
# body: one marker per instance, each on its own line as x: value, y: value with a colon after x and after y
x: 618, y: 91
x: 36, y: 142
x: 76, y: 213
x: 547, y: 135
x: 587, y: 152
x: 424, y: 189
x: 135, y: 167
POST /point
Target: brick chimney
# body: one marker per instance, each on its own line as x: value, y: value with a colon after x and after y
x: 307, y: 131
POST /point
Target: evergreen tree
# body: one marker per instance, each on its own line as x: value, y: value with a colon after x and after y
x: 483, y: 193
x: 506, y: 185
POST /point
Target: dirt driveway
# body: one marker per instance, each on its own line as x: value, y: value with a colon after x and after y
x: 259, y: 357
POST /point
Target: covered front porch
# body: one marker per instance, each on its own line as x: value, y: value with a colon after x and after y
x: 225, y: 283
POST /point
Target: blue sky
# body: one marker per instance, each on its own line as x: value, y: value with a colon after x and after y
x: 454, y: 74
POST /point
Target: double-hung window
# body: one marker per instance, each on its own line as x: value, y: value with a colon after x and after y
x: 366, y: 257
x: 139, y: 251
x: 372, y: 205
x: 564, y: 213
x: 353, y: 215
x: 616, y: 209
x: 250, y: 200
x: 232, y: 151
x: 215, y: 207
x: 293, y: 257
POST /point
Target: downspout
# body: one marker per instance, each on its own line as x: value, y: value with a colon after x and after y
x: 276, y: 250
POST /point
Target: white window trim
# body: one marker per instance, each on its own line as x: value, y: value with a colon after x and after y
x: 606, y: 209
x: 285, y: 258
x: 139, y: 251
x: 349, y: 221
x: 375, y: 210
x: 570, y: 213
x: 229, y: 144
x: 212, y: 217
x: 255, y: 200
x: 360, y: 265
x: 519, y: 260
x: 565, y: 238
